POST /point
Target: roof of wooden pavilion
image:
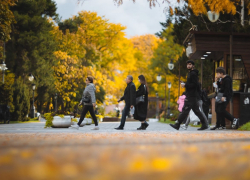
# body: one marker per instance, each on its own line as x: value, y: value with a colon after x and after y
x: 199, y: 43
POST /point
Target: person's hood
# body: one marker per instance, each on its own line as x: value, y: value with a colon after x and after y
x: 227, y: 77
x: 195, y: 71
x: 91, y: 85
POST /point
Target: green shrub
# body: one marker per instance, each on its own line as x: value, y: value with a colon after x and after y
x: 245, y: 127
x: 74, y: 120
x: 61, y: 115
x: 49, y: 118
x: 175, y: 114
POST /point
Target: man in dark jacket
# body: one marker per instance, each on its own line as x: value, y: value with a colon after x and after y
x: 191, y: 101
x: 224, y: 87
x: 130, y: 99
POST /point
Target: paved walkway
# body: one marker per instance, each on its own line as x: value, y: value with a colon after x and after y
x: 104, y: 127
x: 28, y: 151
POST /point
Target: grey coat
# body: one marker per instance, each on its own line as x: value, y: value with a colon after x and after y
x: 89, y: 91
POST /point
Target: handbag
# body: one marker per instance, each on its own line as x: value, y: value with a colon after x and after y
x: 218, y: 98
x: 86, y: 99
x: 141, y: 99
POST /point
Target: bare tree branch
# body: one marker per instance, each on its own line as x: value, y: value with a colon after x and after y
x: 205, y: 22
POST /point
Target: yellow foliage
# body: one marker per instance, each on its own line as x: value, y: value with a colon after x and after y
x: 100, y: 49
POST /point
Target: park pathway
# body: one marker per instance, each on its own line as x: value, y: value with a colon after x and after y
x: 28, y: 151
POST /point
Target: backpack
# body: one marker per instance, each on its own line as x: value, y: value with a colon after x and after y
x: 206, y: 101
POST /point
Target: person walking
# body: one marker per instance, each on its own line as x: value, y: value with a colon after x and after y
x: 191, y: 99
x: 225, y: 93
x: 141, y: 106
x: 130, y: 99
x: 200, y: 104
x: 89, y: 101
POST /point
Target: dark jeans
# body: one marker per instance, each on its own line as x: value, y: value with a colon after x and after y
x: 90, y: 109
x: 124, y: 114
x: 221, y: 113
x: 202, y: 111
x: 191, y: 103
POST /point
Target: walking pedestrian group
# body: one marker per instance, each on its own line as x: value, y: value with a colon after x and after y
x: 193, y: 100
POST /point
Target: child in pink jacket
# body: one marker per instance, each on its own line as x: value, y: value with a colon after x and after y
x: 181, y: 102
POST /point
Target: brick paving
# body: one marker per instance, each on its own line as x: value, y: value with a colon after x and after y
x: 28, y: 151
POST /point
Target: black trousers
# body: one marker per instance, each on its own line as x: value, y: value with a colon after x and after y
x: 206, y: 110
x: 124, y: 114
x: 90, y: 109
x: 221, y: 113
x: 192, y: 103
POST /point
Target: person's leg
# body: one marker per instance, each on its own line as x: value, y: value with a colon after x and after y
x: 183, y: 115
x: 124, y: 114
x: 200, y: 115
x: 219, y: 116
x: 200, y: 103
x: 205, y: 110
x: 188, y: 120
x: 230, y: 117
x: 92, y: 113
x: 185, y: 111
x: 84, y: 112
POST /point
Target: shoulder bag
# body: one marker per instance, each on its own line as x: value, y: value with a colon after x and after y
x: 218, y: 98
x: 141, y: 99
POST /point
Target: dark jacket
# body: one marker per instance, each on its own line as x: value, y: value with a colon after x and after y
x: 192, y: 84
x: 141, y: 108
x: 129, y: 94
x: 225, y: 87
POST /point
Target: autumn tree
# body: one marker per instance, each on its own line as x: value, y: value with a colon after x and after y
x: 200, y: 6
x: 6, y: 19
x: 166, y: 52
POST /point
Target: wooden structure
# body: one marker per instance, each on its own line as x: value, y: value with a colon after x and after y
x: 231, y: 51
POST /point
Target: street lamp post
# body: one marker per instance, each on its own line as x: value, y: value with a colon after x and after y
x: 33, y: 105
x: 55, y: 102
x: 157, y: 106
x: 32, y: 113
x: 169, y: 87
x: 170, y: 67
x: 159, y: 79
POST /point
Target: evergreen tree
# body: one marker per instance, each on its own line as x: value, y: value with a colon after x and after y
x: 21, y: 100
x: 31, y: 47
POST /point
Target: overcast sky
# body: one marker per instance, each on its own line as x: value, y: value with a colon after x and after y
x: 137, y: 17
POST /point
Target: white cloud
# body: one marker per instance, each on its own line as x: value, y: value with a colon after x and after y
x: 137, y: 17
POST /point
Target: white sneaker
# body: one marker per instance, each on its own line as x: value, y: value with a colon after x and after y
x: 235, y: 123
x: 75, y: 126
x: 183, y: 126
x: 95, y: 128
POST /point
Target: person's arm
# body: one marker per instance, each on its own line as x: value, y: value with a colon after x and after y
x: 81, y: 102
x: 227, y: 90
x: 193, y: 81
x: 132, y: 95
x: 121, y: 99
x: 92, y: 94
x: 140, y: 91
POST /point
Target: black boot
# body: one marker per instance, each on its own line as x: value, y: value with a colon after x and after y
x: 175, y: 126
x: 145, y: 125
x: 203, y: 127
x: 141, y: 127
